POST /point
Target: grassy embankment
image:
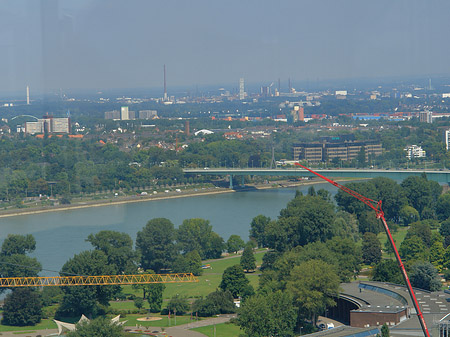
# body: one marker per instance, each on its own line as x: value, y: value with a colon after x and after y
x: 222, y: 330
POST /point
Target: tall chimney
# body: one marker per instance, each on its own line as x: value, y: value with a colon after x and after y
x: 28, y: 95
x: 165, y: 87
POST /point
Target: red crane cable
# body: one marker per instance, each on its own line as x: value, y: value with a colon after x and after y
x: 376, y: 206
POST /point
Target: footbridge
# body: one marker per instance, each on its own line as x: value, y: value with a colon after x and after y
x: 441, y: 176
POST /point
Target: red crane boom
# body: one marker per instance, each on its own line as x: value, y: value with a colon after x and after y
x: 376, y: 206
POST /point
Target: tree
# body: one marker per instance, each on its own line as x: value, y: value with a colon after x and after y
x: 188, y: 263
x: 234, y: 280
x: 306, y: 219
x: 352, y: 205
x: 234, y: 243
x: 387, y: 271
x: 445, y: 228
x: 269, y: 259
x: 392, y: 196
x: 155, y: 296
x: 408, y: 215
x: 14, y: 262
x: 177, y: 304
x: 385, y: 330
x: 156, y: 244
x: 361, y: 157
x: 346, y: 225
x: 197, y: 234
x: 348, y: 257
x: 18, y: 244
x: 99, y: 327
x: 314, y: 285
x: 86, y: 300
x: 437, y: 253
x: 422, y: 230
x: 443, y: 207
x: 420, y: 192
x: 257, y: 229
x: 118, y: 248
x: 424, y: 276
x: 371, y: 248
x: 22, y: 307
x: 413, y: 249
x: 248, y: 261
x: 268, y: 315
x: 368, y: 222
x: 139, y: 302
x: 217, y: 302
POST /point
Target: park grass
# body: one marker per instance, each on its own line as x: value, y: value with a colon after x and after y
x: 210, y: 279
x: 44, y: 324
x: 208, y: 282
x: 222, y: 330
x: 398, y: 236
x: 164, y: 322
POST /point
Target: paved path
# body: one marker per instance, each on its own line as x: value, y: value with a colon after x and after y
x: 184, y: 329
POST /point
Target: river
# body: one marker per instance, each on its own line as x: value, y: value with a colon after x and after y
x: 60, y: 235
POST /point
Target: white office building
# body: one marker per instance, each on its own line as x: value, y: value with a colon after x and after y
x: 414, y: 151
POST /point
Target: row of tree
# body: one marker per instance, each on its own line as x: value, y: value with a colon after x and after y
x: 314, y: 246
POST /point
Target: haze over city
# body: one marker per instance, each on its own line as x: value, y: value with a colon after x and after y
x: 53, y: 44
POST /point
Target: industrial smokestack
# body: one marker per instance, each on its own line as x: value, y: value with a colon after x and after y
x: 28, y: 95
x: 165, y: 87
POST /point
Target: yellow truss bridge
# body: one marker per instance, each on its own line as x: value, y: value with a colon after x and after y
x: 100, y: 280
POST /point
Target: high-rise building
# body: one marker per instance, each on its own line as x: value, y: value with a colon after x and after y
x: 426, y: 117
x: 186, y: 128
x: 447, y: 139
x: 114, y: 114
x: 301, y: 114
x: 241, y: 89
x: 48, y: 124
x: 298, y: 114
x: 124, y: 115
x: 148, y: 114
x: 60, y: 125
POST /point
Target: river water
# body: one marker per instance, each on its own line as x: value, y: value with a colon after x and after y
x: 60, y: 235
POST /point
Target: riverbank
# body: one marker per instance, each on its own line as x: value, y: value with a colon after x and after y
x: 119, y: 200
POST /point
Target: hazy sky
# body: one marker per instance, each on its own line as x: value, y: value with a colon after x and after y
x: 101, y: 44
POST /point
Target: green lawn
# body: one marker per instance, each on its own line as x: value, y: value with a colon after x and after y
x: 45, y: 324
x: 164, y: 322
x: 398, y: 236
x: 211, y: 278
x: 208, y: 282
x: 222, y: 330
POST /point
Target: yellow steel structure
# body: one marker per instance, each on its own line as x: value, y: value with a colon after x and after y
x: 59, y: 281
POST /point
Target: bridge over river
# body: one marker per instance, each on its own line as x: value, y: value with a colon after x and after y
x: 441, y: 176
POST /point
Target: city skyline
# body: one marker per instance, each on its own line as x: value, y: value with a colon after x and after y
x: 55, y: 44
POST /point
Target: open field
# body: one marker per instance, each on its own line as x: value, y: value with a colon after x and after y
x: 222, y: 330
x: 208, y: 282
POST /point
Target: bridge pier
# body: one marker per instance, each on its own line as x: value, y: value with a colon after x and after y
x: 231, y: 181
x: 243, y: 181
